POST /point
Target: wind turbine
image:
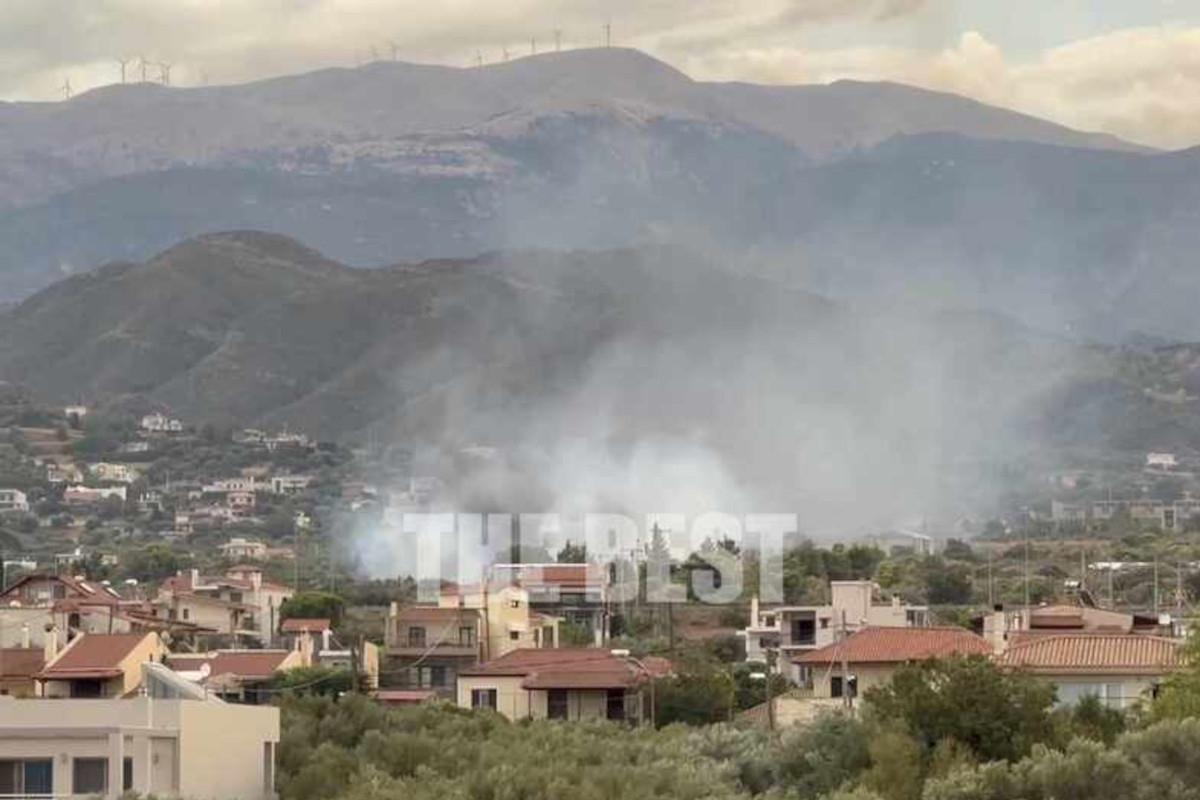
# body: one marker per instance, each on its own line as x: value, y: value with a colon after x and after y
x: 144, y: 64
x: 505, y: 52
x: 558, y: 40
x: 66, y: 89
x: 164, y: 72
x: 122, y: 62
x: 395, y: 49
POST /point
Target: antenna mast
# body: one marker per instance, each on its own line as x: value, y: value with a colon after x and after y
x: 66, y: 89
x: 608, y: 34
x: 164, y: 72
x: 122, y: 62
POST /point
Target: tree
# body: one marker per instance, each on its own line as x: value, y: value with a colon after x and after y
x: 313, y: 605
x: 1179, y: 695
x: 996, y: 713
x: 698, y: 694
x: 947, y: 584
x: 821, y: 757
x: 572, y: 554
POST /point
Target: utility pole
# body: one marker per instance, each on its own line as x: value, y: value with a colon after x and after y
x: 608, y: 34
x: 771, y: 655
x: 847, y: 700
x: 1027, y: 570
x: 1156, y: 585
x: 990, y: 584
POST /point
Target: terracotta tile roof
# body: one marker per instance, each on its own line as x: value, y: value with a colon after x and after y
x: 1116, y: 654
x: 578, y: 668
x: 241, y: 664
x: 310, y: 624
x: 21, y: 662
x: 93, y: 655
x: 82, y: 592
x: 888, y: 645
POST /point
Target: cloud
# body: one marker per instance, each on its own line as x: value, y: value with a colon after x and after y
x: 1140, y: 84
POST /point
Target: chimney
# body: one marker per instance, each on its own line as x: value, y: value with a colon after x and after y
x: 50, y: 645
x: 394, y: 611
x: 25, y: 636
x: 195, y: 577
x: 306, y: 649
x: 754, y: 611
x: 326, y: 635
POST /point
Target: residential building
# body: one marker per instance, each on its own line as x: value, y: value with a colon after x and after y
x: 238, y: 548
x: 853, y: 605
x: 13, y: 500
x: 426, y: 647
x: 566, y: 684
x: 63, y: 473
x: 18, y: 667
x: 113, y: 473
x: 290, y: 484
x: 76, y: 412
x: 1001, y: 627
x: 164, y: 747
x: 870, y: 657
x: 88, y: 495
x: 67, y: 606
x: 1118, y: 668
x: 576, y: 593
x: 1162, y: 461
x: 242, y: 504
x: 510, y: 622
x: 160, y: 423
x: 237, y: 675
x: 97, y: 665
x: 240, y: 603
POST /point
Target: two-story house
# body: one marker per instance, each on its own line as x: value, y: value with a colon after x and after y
x: 241, y: 603
x: 576, y: 593
x: 426, y: 646
x: 13, y: 500
x: 853, y: 606
x: 97, y: 665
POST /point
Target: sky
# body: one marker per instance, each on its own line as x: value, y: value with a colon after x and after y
x: 1126, y: 67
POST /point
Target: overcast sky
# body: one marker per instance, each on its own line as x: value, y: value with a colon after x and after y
x: 1128, y: 67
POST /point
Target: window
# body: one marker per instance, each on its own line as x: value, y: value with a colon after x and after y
x: 127, y: 775
x: 437, y: 676
x: 1114, y: 695
x: 89, y: 776
x: 514, y: 636
x: 87, y: 689
x: 483, y: 698
x: 187, y: 614
x: 556, y: 704
x: 466, y: 636
x: 824, y: 623
x: 416, y: 637
x: 616, y: 704
x: 32, y: 776
x: 804, y: 632
x: 514, y: 603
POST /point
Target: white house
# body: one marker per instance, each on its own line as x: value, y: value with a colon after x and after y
x: 160, y: 423
x: 113, y: 473
x: 1161, y: 461
x: 13, y: 500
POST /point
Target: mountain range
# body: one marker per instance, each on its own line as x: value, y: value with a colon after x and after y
x: 853, y: 190
x: 623, y: 350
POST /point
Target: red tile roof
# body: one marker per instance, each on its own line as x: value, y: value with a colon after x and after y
x: 93, y: 655
x: 578, y: 668
x: 301, y: 624
x: 240, y: 664
x: 891, y: 645
x: 1110, y: 654
x: 21, y: 662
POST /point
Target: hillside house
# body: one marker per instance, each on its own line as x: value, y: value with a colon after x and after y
x: 290, y: 484
x: 1118, y: 668
x: 160, y: 423
x: 238, y: 548
x: 870, y: 657
x: 161, y: 746
x: 113, y: 473
x: 89, y: 495
x: 510, y: 622
x: 13, y: 500
x: 567, y: 684
x: 240, y: 603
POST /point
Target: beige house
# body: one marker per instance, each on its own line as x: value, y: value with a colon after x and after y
x: 566, y: 684
x: 510, y: 623
x: 1119, y: 669
x: 853, y: 605
x: 163, y: 747
x: 870, y: 657
x: 237, y: 675
x: 97, y: 665
x: 241, y: 603
x: 1003, y: 626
